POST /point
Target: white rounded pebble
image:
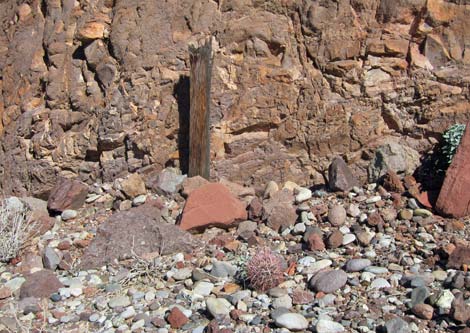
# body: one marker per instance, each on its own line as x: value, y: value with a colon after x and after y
x: 328, y: 326
x: 292, y: 321
x: 348, y: 239
x: 380, y: 283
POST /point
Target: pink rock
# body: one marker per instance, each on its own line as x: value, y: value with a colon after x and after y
x: 454, y: 198
x: 211, y: 205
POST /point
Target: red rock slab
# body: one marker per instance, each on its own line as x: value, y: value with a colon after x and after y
x: 211, y: 205
x: 454, y: 198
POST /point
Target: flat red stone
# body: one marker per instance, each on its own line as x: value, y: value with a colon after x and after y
x: 211, y: 205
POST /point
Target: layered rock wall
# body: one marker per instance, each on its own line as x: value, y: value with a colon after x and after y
x: 97, y: 89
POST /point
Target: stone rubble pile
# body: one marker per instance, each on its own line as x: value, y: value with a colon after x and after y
x: 367, y: 259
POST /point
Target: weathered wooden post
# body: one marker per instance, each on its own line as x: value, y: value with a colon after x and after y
x: 199, y: 114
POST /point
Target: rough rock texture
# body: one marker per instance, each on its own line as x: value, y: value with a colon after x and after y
x: 133, y: 186
x: 40, y: 284
x: 97, y: 89
x: 395, y: 157
x: 454, y: 197
x: 278, y: 211
x: 211, y: 205
x: 137, y: 231
x: 459, y: 256
x: 67, y: 194
x: 340, y: 177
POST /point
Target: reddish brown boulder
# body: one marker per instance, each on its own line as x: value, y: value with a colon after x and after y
x: 454, y: 198
x: 211, y: 205
x: 67, y: 194
x: 40, y: 284
x: 459, y: 256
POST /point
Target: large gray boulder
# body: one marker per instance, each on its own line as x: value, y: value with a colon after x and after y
x: 393, y: 156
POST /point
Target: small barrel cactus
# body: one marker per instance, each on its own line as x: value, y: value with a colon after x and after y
x: 265, y: 270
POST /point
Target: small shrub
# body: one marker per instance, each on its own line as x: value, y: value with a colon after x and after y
x: 451, y: 140
x: 265, y: 270
x: 14, y: 230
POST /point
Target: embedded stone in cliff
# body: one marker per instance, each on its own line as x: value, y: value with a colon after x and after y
x: 279, y: 211
x: 435, y: 51
x: 106, y: 73
x: 24, y: 10
x: 340, y: 177
x: 375, y: 76
x: 397, y: 47
x: 393, y: 156
x: 440, y: 12
x: 418, y: 59
x: 67, y: 194
x: 91, y: 30
x: 454, y: 198
x: 211, y: 205
x: 95, y: 53
x: 136, y: 231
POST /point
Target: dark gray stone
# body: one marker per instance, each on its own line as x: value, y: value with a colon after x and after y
x: 329, y: 281
x: 340, y: 177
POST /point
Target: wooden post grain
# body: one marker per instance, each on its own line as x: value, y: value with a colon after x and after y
x: 199, y: 114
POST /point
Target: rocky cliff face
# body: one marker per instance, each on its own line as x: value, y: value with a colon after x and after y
x: 99, y: 88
